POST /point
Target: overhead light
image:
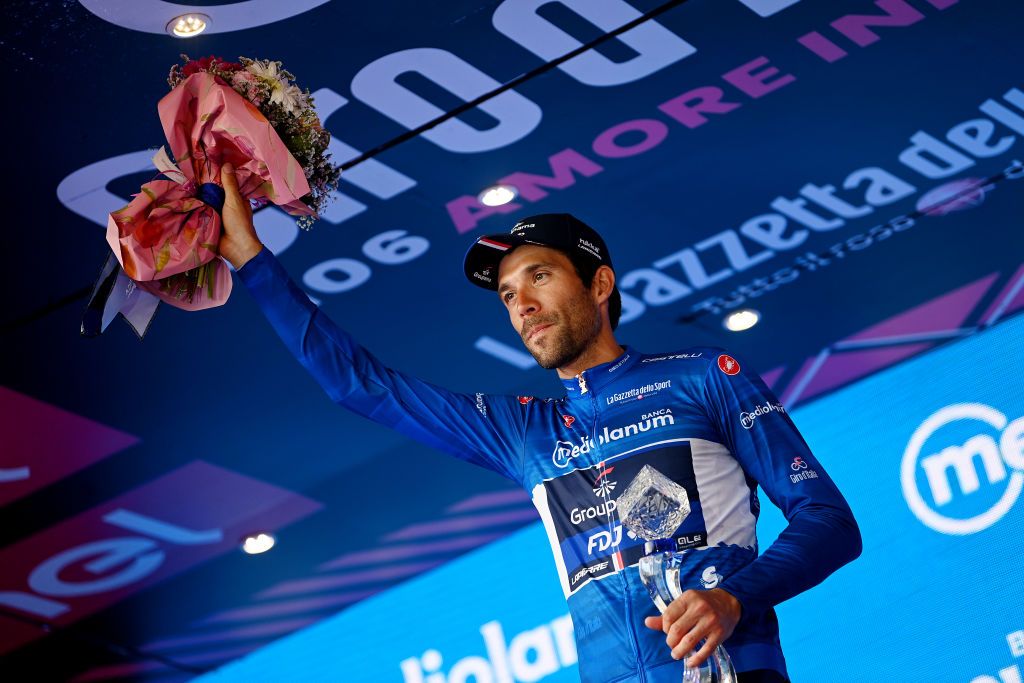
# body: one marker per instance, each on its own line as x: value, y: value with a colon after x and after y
x: 187, y: 25
x: 258, y: 543
x: 498, y: 195
x: 740, y: 320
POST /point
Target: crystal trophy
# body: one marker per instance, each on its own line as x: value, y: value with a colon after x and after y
x: 653, y: 507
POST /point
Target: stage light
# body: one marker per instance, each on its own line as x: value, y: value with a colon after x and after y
x: 258, y: 543
x: 187, y: 25
x: 498, y: 195
x: 742, y: 319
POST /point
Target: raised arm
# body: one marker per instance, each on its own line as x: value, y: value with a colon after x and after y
x: 483, y: 430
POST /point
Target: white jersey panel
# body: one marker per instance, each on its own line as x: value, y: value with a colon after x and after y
x: 724, y: 495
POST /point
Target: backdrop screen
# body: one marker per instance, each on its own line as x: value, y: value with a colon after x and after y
x: 930, y: 455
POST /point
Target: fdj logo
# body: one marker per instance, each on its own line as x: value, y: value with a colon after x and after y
x: 604, y: 540
x: 965, y: 464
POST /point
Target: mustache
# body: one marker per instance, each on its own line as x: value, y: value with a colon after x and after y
x: 534, y: 322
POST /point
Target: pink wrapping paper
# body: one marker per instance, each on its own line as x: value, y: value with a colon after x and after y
x: 165, y: 230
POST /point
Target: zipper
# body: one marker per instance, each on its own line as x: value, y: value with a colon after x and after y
x: 640, y: 672
x: 612, y: 521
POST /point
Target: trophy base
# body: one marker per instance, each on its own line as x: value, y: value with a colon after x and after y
x: 659, y: 572
x: 717, y: 669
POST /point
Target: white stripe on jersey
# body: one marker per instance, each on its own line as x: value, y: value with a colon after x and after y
x: 540, y: 501
x: 724, y: 495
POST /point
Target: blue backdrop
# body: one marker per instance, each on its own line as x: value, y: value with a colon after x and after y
x: 731, y: 152
x: 936, y: 595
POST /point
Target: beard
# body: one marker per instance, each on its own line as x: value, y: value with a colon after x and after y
x: 571, y: 335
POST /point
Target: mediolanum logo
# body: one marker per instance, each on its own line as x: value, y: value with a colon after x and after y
x: 987, y: 452
x: 565, y: 451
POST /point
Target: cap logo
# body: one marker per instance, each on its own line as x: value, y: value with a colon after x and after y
x: 523, y: 226
x: 494, y: 245
x: 590, y: 248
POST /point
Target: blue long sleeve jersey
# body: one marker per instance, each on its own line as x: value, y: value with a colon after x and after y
x: 698, y: 416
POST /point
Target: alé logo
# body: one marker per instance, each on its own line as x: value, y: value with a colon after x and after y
x: 532, y: 655
x: 957, y: 460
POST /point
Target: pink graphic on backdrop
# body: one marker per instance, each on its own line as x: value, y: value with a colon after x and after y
x: 947, y: 312
x: 402, y: 552
x: 43, y: 443
x: 350, y: 578
x: 463, y: 524
x: 304, y: 605
x: 108, y: 553
x: 940, y: 201
x: 491, y: 499
x: 843, y: 368
x: 267, y: 628
x: 889, y: 340
x: 772, y: 376
x: 1008, y: 301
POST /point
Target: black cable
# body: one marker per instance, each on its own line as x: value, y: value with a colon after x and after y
x: 518, y: 80
x: 127, y: 650
x: 45, y: 310
x: 408, y: 135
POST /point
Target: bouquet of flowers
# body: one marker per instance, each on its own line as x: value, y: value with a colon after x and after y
x: 248, y: 113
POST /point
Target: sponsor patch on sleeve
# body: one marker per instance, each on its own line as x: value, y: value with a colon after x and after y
x: 728, y: 364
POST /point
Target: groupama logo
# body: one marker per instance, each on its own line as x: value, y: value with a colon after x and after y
x: 979, y: 456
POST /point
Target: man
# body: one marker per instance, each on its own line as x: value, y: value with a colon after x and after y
x: 698, y: 417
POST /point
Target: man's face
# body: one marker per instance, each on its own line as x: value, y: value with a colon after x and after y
x: 549, y: 307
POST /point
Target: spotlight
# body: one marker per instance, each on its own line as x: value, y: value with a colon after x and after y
x: 187, y: 25
x: 498, y: 195
x: 742, y: 319
x: 258, y: 543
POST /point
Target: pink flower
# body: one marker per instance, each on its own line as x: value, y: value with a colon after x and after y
x: 197, y: 65
x: 209, y: 63
x: 244, y: 79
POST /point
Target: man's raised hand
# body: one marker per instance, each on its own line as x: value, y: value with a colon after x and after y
x: 238, y: 240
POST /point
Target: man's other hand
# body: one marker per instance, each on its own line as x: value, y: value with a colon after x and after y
x: 238, y: 240
x: 694, y: 616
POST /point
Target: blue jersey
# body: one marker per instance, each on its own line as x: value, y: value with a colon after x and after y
x: 698, y: 416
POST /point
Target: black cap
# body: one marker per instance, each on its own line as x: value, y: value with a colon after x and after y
x: 557, y: 230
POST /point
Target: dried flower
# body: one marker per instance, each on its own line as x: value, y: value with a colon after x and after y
x: 289, y: 109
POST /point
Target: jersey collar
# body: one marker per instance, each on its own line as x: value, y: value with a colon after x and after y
x: 596, y: 378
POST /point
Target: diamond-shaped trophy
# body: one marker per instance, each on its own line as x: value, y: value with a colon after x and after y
x: 653, y: 507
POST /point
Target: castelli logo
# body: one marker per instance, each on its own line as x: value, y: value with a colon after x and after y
x: 728, y: 364
x: 568, y: 420
x: 525, y: 399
